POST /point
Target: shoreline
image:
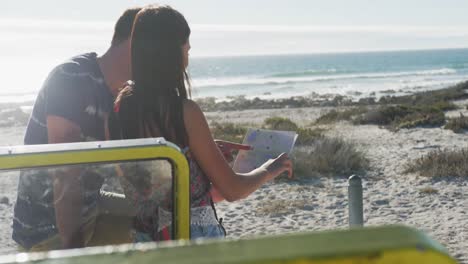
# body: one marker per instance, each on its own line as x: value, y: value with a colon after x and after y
x: 312, y: 99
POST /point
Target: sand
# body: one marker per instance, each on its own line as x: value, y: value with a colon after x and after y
x: 390, y: 196
x: 320, y: 203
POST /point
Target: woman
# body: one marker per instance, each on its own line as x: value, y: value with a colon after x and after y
x: 157, y: 105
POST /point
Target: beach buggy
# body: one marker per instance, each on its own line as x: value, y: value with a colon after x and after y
x: 388, y: 244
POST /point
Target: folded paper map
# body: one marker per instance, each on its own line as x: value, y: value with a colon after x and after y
x: 267, y: 144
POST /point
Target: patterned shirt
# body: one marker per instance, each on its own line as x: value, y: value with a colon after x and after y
x: 76, y: 91
x: 151, y: 195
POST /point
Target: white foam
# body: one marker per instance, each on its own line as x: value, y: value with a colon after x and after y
x: 259, y: 80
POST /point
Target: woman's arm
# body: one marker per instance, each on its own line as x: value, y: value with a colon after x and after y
x: 230, y: 185
x: 226, y: 148
x: 216, y: 195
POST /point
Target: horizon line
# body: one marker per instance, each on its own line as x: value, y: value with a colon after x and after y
x: 328, y: 52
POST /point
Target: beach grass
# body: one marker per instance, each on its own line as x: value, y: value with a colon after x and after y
x: 228, y: 131
x: 437, y: 98
x: 441, y: 163
x: 236, y: 103
x: 315, y: 154
x: 422, y: 109
x: 458, y: 124
x: 306, y: 135
x: 428, y: 190
x: 344, y: 115
x: 392, y: 117
x: 404, y: 116
x: 455, y: 92
x: 329, y: 157
x: 280, y: 123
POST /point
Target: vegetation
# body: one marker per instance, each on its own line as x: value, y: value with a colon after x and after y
x: 455, y: 92
x: 428, y: 190
x: 346, y: 115
x: 241, y: 103
x: 393, y: 117
x: 404, y: 116
x: 228, y: 131
x: 209, y: 104
x: 280, y: 123
x: 424, y: 109
x: 458, y: 124
x: 315, y: 154
x: 441, y: 163
x: 329, y: 157
x: 441, y: 97
x: 306, y: 136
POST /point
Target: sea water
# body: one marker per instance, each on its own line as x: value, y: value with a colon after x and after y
x: 353, y: 74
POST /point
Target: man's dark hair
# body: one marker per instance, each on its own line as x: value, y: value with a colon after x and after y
x: 123, y: 27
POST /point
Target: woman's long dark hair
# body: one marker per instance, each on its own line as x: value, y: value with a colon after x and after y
x: 153, y: 106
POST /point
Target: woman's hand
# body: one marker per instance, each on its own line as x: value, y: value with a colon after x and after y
x: 228, y: 147
x: 231, y: 185
x: 276, y: 167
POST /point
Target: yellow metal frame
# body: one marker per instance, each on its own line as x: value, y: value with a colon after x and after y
x: 34, y: 156
x: 392, y: 244
x: 374, y: 245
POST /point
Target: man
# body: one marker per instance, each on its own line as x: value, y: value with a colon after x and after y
x: 54, y: 212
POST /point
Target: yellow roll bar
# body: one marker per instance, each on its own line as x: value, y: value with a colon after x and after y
x: 36, y: 156
x: 374, y: 245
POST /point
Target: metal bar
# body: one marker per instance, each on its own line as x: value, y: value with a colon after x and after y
x: 36, y: 156
x: 356, y: 215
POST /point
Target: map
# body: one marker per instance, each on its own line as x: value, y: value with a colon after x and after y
x: 267, y: 144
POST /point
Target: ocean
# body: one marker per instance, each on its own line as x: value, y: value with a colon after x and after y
x: 353, y: 74
x: 278, y: 76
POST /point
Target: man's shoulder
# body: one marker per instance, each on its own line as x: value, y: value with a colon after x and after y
x: 77, y: 66
x: 78, y: 71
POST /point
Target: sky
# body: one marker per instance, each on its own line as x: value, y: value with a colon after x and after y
x: 241, y: 27
x: 36, y: 35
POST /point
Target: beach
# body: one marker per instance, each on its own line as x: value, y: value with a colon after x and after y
x: 317, y: 203
x: 390, y: 195
x: 374, y: 89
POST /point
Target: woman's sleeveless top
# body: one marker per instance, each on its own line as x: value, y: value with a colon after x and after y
x: 150, y: 192
x: 200, y: 185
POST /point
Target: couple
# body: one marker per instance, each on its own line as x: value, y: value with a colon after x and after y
x: 151, y: 47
